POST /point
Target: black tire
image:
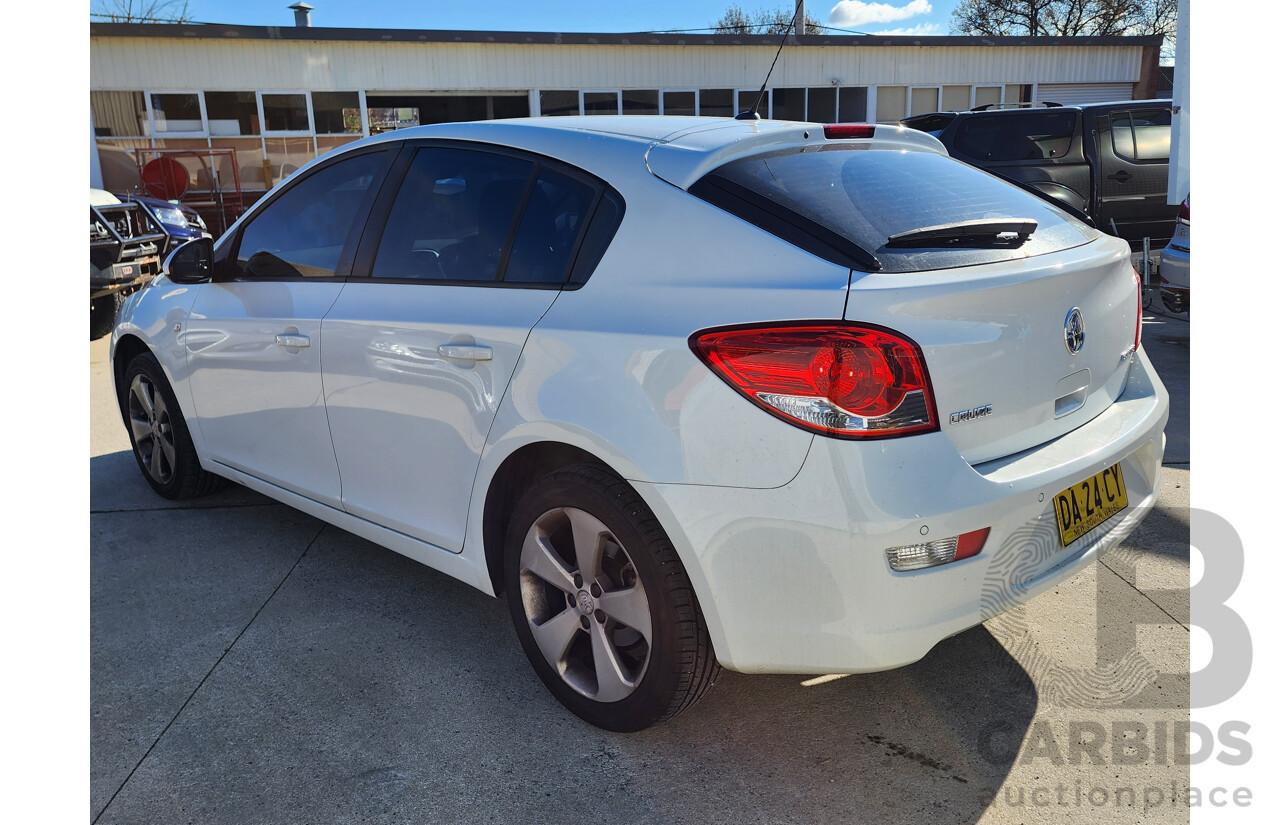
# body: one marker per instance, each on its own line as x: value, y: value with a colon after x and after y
x: 161, y: 442
x: 637, y: 565
x: 102, y: 314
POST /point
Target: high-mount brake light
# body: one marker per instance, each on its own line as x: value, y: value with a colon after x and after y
x: 842, y: 380
x: 836, y: 131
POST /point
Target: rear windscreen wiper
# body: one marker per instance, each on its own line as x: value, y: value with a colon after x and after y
x: 1002, y: 232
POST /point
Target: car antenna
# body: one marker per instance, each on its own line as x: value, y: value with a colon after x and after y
x: 753, y: 113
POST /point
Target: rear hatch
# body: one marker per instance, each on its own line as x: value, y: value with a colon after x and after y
x: 994, y: 284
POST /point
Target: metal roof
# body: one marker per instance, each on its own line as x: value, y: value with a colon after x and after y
x: 217, y: 31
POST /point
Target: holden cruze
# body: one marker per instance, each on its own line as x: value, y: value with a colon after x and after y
x: 689, y: 393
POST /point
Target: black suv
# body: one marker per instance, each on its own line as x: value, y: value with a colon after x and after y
x: 1108, y: 160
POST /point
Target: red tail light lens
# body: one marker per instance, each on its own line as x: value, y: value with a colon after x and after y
x: 836, y: 379
x: 1184, y: 214
x: 835, y: 131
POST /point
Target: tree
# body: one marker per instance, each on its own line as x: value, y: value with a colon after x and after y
x: 1066, y: 18
x: 775, y: 21
x: 143, y: 11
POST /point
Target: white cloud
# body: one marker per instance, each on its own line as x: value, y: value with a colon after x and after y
x: 922, y: 30
x: 855, y: 13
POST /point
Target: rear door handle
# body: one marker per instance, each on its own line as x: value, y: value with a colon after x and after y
x: 293, y: 341
x: 1119, y: 177
x: 464, y: 352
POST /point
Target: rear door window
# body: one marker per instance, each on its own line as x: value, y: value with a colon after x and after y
x: 1017, y: 136
x: 1142, y: 134
x: 841, y: 200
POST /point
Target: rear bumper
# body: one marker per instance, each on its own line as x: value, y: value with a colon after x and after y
x: 1175, y: 268
x: 795, y: 579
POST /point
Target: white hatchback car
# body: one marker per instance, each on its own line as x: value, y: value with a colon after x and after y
x: 693, y: 393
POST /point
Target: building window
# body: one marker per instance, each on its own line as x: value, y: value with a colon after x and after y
x: 176, y: 113
x: 232, y: 113
x: 822, y: 105
x: 747, y: 98
x: 924, y: 99
x: 119, y: 114
x: 987, y: 95
x: 788, y: 104
x: 640, y: 102
x: 336, y: 113
x: 853, y: 104
x: 891, y: 103
x: 679, y: 103
x: 716, y: 103
x: 558, y: 103
x: 600, y: 103
x: 286, y: 112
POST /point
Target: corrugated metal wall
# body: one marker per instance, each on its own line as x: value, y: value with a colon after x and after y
x: 1071, y: 94
x: 154, y: 63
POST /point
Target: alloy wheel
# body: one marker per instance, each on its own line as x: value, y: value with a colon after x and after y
x: 585, y: 604
x: 152, y: 429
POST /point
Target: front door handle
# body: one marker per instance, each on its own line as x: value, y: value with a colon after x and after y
x: 1119, y: 177
x: 464, y: 352
x: 293, y: 341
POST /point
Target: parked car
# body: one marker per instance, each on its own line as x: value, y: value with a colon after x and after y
x: 688, y: 393
x: 125, y: 243
x: 1108, y: 160
x: 1175, y: 264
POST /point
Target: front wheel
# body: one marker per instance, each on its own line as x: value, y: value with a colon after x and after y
x: 161, y: 443
x: 601, y: 603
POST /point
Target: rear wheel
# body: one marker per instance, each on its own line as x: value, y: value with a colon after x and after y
x: 602, y: 604
x: 161, y: 443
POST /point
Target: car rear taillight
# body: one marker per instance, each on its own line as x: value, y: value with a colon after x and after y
x: 933, y: 553
x: 842, y: 380
x: 835, y: 131
x: 1137, y: 332
x: 1184, y: 214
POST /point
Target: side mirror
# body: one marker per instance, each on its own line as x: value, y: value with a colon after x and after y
x: 191, y: 263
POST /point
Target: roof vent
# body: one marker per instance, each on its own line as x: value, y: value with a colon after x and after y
x: 302, y: 15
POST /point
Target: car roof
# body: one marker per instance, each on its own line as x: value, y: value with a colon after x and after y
x: 677, y: 149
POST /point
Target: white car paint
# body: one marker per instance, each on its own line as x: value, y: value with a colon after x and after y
x: 783, y: 533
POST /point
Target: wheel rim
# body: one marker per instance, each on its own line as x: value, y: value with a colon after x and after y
x: 585, y: 604
x: 152, y: 429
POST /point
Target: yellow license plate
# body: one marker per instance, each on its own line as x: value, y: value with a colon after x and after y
x: 1083, y: 506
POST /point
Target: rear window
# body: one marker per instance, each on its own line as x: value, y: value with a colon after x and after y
x: 845, y: 201
x: 1142, y: 134
x: 1017, y: 135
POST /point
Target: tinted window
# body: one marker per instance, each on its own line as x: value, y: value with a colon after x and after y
x: 549, y: 229
x: 1141, y: 135
x: 302, y: 232
x: 1021, y: 136
x: 452, y: 216
x: 866, y: 195
x: 604, y: 222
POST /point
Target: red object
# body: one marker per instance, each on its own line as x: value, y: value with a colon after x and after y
x: 863, y: 370
x: 165, y: 178
x: 1184, y: 214
x: 970, y: 544
x: 834, y: 131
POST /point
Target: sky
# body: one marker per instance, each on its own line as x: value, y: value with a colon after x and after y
x: 908, y: 17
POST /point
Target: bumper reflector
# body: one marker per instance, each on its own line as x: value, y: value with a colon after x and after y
x: 934, y: 553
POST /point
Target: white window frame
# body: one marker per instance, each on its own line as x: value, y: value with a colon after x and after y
x: 617, y: 99
x: 938, y: 88
x: 310, y: 131
x: 662, y: 103
x: 151, y: 115
x: 364, y: 115
x: 973, y: 92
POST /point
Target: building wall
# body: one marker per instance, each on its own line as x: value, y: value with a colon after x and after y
x: 126, y: 63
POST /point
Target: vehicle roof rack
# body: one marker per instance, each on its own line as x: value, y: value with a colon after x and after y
x: 1048, y: 104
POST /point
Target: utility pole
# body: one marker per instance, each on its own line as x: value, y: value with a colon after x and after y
x: 799, y: 29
